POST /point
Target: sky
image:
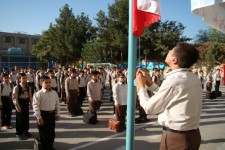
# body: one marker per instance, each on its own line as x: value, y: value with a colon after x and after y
x: 35, y: 16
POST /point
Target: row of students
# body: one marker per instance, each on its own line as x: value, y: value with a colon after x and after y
x: 46, y: 108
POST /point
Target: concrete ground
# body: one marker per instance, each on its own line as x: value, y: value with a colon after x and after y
x: 73, y: 134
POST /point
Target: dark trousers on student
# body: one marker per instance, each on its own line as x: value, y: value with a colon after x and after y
x: 6, y: 111
x: 47, y: 130
x: 22, y: 118
x: 32, y: 87
x: 121, y: 112
x: 82, y: 95
x: 183, y: 140
x: 72, y: 101
x: 140, y: 108
x: 63, y: 94
x: 55, y: 89
x: 208, y: 89
x: 94, y: 106
x: 217, y: 87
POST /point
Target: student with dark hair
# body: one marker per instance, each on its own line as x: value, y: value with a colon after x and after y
x: 82, y: 87
x: 54, y: 81
x: 178, y: 101
x: 38, y: 76
x: 216, y: 80
x: 47, y: 110
x: 94, y: 93
x: 63, y: 78
x: 13, y: 77
x: 6, y: 94
x: 120, y: 99
x: 21, y: 98
x: 201, y: 78
x: 209, y: 80
x: 72, y: 92
x: 31, y: 83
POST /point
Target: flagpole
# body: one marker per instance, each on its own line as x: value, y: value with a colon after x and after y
x: 132, y: 57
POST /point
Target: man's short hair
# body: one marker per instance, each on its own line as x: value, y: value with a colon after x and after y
x: 73, y: 71
x: 120, y: 74
x: 50, y: 71
x: 43, y: 78
x: 94, y: 73
x: 21, y: 75
x: 186, y: 53
x: 5, y: 75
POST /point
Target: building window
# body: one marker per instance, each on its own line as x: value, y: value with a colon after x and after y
x: 8, y: 39
x: 34, y: 41
x: 22, y: 41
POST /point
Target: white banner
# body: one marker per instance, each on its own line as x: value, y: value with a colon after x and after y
x: 212, y: 11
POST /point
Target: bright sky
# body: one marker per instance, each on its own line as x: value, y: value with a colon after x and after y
x: 34, y: 16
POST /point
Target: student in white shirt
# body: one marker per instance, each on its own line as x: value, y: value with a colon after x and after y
x: 208, y: 84
x: 6, y: 94
x: 178, y: 101
x: 47, y: 110
x: 216, y: 80
x: 120, y: 99
x: 94, y: 93
x: 82, y: 87
x: 201, y: 78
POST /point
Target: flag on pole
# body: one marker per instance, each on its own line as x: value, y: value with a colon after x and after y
x: 212, y: 11
x: 145, y: 13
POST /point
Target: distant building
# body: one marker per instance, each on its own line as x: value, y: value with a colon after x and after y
x: 16, y: 50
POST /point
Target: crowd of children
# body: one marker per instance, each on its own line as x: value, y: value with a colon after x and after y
x: 44, y: 90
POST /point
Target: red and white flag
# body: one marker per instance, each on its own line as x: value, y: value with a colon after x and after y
x: 145, y: 13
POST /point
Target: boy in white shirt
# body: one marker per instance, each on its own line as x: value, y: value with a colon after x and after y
x: 47, y: 110
x: 120, y: 99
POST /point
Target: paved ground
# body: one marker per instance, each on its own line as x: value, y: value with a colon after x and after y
x: 72, y: 133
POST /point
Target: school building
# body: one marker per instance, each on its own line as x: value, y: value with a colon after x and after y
x: 16, y: 50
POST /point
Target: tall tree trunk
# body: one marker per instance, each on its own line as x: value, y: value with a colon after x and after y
x: 146, y: 62
x: 121, y: 57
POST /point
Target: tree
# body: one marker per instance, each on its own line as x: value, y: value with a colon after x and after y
x: 112, y: 32
x: 43, y: 49
x: 161, y: 37
x: 93, y: 52
x: 146, y: 52
x: 215, y: 52
x: 210, y: 35
x: 63, y: 41
x: 118, y: 27
x: 202, y: 36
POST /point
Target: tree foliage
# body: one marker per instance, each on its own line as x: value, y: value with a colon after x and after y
x: 161, y: 37
x: 215, y: 53
x: 112, y: 33
x: 63, y: 41
x: 74, y: 38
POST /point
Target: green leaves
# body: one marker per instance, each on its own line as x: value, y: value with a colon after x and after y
x: 63, y: 41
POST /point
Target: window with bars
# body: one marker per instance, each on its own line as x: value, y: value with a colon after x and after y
x: 8, y: 39
x: 22, y: 41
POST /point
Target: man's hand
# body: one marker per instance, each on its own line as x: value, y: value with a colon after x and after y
x: 40, y: 122
x: 118, y: 105
x: 147, y: 76
x: 140, y: 80
x: 18, y: 110
x: 57, y: 118
x: 67, y: 97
